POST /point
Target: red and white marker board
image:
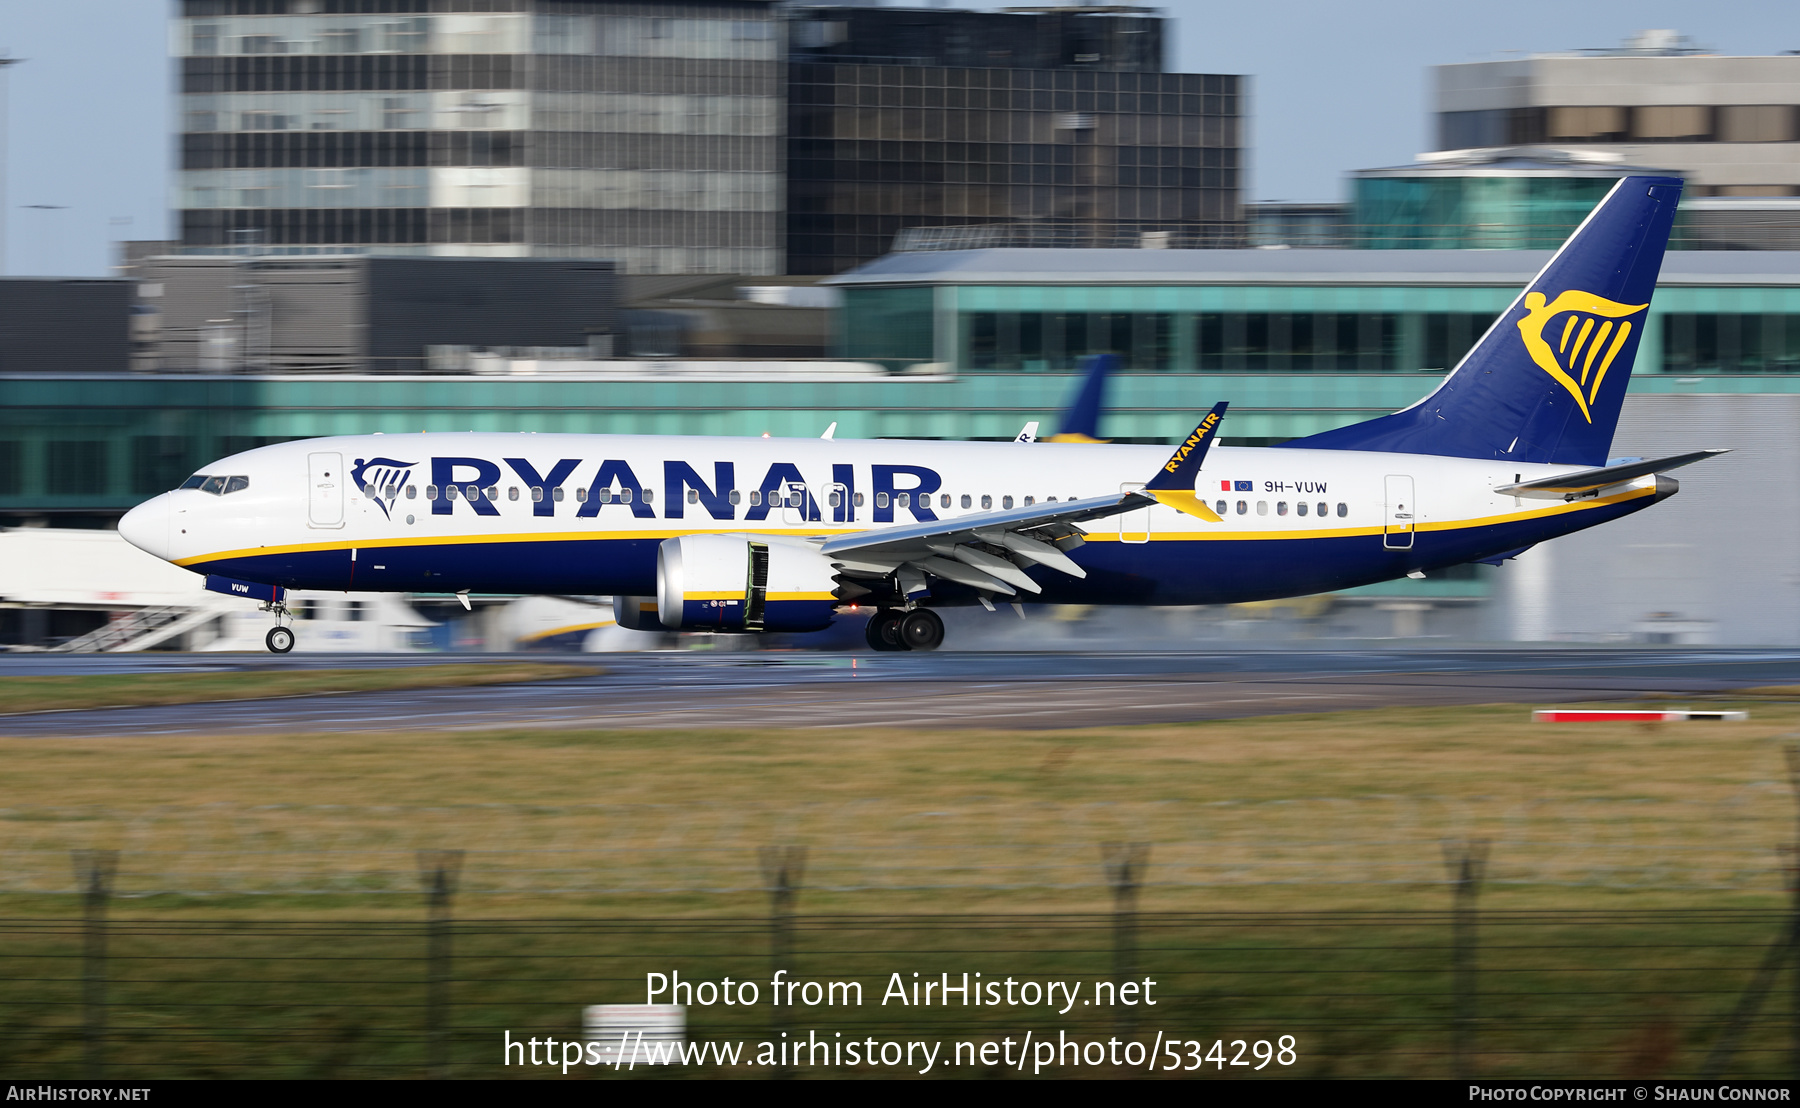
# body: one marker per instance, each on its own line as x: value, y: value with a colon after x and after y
x: 1629, y: 715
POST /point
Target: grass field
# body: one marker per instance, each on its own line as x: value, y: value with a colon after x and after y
x: 52, y: 693
x: 269, y: 920
x: 1340, y: 810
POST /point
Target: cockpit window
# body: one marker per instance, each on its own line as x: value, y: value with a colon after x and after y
x: 218, y: 486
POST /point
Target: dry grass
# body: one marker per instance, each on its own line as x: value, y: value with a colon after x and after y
x: 45, y: 694
x: 1364, y: 796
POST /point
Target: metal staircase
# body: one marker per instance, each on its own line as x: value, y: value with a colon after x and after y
x: 141, y: 630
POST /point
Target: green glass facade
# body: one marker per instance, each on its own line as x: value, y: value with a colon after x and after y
x: 1486, y: 212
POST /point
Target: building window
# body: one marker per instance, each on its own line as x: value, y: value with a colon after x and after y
x: 1297, y: 342
x: 1669, y: 123
x: 1757, y: 123
x: 1586, y: 124
x: 77, y: 468
x: 1728, y: 342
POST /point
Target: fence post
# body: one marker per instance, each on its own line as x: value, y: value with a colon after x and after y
x: 783, y: 867
x: 1125, y: 864
x: 94, y: 872
x: 1467, y: 861
x: 438, y: 872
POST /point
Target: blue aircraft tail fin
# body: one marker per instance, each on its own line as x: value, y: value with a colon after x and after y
x: 1547, y: 380
x: 1081, y: 421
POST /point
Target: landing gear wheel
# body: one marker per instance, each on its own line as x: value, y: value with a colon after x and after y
x: 883, y: 631
x: 921, y: 629
x: 280, y: 640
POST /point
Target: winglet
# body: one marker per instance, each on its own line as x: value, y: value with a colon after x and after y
x: 1174, y: 482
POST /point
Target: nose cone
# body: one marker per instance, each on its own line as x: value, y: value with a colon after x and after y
x: 147, y: 526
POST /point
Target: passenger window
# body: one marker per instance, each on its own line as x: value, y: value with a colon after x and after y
x: 1243, y: 507
x: 881, y: 500
x: 755, y: 497
x: 903, y: 500
x: 431, y: 492
x: 1006, y: 502
x: 472, y: 492
x: 512, y: 492
x: 625, y: 495
x: 649, y: 495
x: 194, y: 482
x: 581, y: 494
x: 1052, y: 500
x: 1281, y: 507
x: 986, y: 501
x: 1220, y: 507
x: 1262, y: 507
x: 735, y: 497
x: 556, y: 493
x: 944, y: 501
x: 856, y: 500
x: 1300, y: 508
x: 238, y: 484
x: 836, y: 499
x: 450, y: 492
x: 603, y: 495
x: 968, y: 501
x: 537, y: 494
x: 1029, y: 501
x: 1343, y: 510
x: 214, y: 485
x: 693, y: 496
x: 1323, y: 509
x: 412, y: 492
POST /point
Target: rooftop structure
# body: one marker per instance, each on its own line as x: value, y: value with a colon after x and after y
x: 1730, y: 125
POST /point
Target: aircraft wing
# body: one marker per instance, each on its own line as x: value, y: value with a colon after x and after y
x: 1581, y: 482
x: 990, y: 550
x: 1035, y: 534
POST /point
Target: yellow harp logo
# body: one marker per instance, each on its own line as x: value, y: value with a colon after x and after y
x: 1590, y: 323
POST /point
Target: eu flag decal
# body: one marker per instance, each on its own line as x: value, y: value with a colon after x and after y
x: 1245, y: 486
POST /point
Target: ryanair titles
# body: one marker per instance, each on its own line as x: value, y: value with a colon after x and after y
x: 615, y: 484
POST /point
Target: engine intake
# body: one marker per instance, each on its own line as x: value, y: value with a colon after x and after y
x: 735, y: 583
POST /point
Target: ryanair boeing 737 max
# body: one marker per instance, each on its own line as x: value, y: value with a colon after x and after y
x: 747, y: 535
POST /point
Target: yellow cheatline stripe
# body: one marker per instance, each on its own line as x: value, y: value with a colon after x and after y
x: 730, y: 595
x: 800, y: 596
x: 569, y: 630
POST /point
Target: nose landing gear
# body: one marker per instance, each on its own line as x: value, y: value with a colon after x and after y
x: 280, y: 638
x: 891, y: 629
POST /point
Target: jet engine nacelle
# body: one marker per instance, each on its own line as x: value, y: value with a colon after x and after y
x: 738, y: 583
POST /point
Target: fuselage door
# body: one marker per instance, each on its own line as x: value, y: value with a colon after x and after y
x: 325, y: 481
x: 1134, y: 526
x: 1397, y: 526
x: 837, y: 503
x: 793, y: 504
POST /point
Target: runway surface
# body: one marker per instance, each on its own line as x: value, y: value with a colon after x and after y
x: 750, y: 691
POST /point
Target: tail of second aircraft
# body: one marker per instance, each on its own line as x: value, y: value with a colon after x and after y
x: 1547, y: 380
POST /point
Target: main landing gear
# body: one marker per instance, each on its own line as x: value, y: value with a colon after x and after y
x: 280, y: 638
x: 893, y: 629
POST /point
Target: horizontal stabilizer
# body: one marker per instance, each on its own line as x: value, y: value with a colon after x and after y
x: 1581, y: 482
